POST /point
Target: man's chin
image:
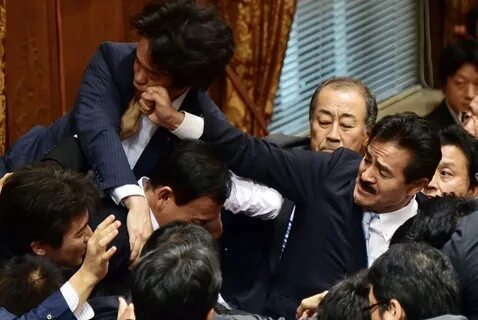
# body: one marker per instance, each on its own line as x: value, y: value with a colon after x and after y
x: 363, y: 201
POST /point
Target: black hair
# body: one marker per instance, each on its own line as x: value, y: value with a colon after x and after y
x: 39, y: 203
x: 419, y: 277
x: 437, y: 219
x: 457, y: 54
x: 175, y: 231
x: 371, y: 109
x: 178, y: 280
x: 458, y: 137
x: 347, y: 300
x: 190, y: 42
x: 411, y: 132
x: 193, y: 170
x: 25, y: 281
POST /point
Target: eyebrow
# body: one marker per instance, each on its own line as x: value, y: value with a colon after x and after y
x: 383, y: 167
x: 346, y: 115
x: 447, y: 163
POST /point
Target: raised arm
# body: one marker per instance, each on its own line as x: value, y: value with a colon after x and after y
x: 253, y: 199
x: 295, y: 174
x: 69, y: 301
x: 104, y: 92
x: 99, y: 106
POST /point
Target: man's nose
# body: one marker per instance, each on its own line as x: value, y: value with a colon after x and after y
x: 333, y: 135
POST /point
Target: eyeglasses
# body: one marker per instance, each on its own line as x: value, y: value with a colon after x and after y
x: 374, y: 305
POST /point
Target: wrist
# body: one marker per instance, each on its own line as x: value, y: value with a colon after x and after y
x: 134, y: 201
x: 175, y: 120
x: 83, y: 280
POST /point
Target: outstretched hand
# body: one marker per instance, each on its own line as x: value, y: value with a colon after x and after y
x: 138, y: 224
x: 97, y: 255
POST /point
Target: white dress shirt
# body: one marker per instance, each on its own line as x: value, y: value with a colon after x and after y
x: 83, y: 312
x: 247, y: 197
x: 135, y: 144
x: 379, y: 228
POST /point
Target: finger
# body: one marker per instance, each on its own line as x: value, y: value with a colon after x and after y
x: 157, y: 89
x: 122, y: 305
x: 299, y: 312
x: 153, y: 96
x: 108, y: 254
x: 130, y: 312
x: 105, y: 223
x: 146, y: 106
x: 135, y: 249
x: 106, y: 240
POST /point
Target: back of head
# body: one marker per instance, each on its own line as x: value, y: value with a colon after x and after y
x: 411, y: 132
x: 25, y: 281
x: 457, y: 54
x: 178, y: 280
x: 39, y: 203
x: 419, y: 277
x: 347, y: 300
x: 437, y: 219
x: 345, y: 83
x: 458, y: 137
x: 178, y: 231
x: 193, y: 170
x: 187, y: 40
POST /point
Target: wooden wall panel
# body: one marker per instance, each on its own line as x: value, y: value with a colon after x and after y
x: 85, y: 24
x: 49, y: 43
x: 31, y: 66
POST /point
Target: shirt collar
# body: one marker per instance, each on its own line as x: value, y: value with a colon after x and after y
x: 391, y: 221
x: 142, y: 182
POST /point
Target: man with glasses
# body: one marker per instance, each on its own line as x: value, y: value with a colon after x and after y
x: 413, y: 281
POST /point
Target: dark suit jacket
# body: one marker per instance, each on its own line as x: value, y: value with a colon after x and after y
x: 462, y: 249
x: 53, y: 307
x: 326, y: 241
x: 105, y: 92
x: 440, y: 117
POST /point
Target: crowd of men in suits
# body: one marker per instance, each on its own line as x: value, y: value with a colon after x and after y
x: 144, y: 191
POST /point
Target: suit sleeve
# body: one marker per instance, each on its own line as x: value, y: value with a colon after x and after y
x: 462, y: 249
x: 296, y: 174
x: 53, y: 307
x: 98, y: 115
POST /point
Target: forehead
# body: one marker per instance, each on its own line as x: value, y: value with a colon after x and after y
x: 340, y: 101
x: 468, y: 72
x: 390, y: 155
x: 203, y: 208
x: 78, y: 223
x: 453, y: 155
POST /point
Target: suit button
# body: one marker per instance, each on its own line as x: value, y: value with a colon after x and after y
x: 49, y: 316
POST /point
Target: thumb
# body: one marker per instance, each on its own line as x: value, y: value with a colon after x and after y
x: 121, y: 308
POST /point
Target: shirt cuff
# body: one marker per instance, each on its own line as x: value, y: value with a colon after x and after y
x: 119, y: 193
x: 83, y: 312
x: 192, y: 127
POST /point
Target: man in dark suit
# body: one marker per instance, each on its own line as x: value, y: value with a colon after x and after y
x: 31, y: 289
x: 182, y: 47
x: 459, y: 77
x: 347, y: 207
x: 450, y: 224
x: 342, y: 112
